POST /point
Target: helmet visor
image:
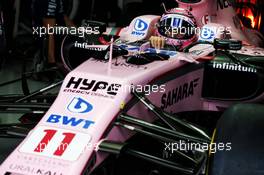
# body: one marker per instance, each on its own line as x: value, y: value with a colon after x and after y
x: 176, y: 27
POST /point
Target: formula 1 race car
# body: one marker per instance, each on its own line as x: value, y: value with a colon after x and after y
x: 126, y: 107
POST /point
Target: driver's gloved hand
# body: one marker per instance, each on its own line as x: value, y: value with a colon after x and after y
x: 157, y: 42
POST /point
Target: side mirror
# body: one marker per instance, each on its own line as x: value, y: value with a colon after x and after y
x: 99, y: 26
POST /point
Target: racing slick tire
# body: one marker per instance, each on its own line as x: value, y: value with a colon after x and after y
x: 242, y: 126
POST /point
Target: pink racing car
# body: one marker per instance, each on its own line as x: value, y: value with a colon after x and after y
x: 128, y: 108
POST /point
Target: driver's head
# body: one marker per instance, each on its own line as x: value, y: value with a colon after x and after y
x: 178, y: 26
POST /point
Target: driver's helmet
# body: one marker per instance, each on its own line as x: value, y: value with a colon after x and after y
x: 178, y: 26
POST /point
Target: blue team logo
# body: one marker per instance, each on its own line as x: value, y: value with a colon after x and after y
x: 140, y: 25
x: 207, y: 34
x: 79, y: 105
